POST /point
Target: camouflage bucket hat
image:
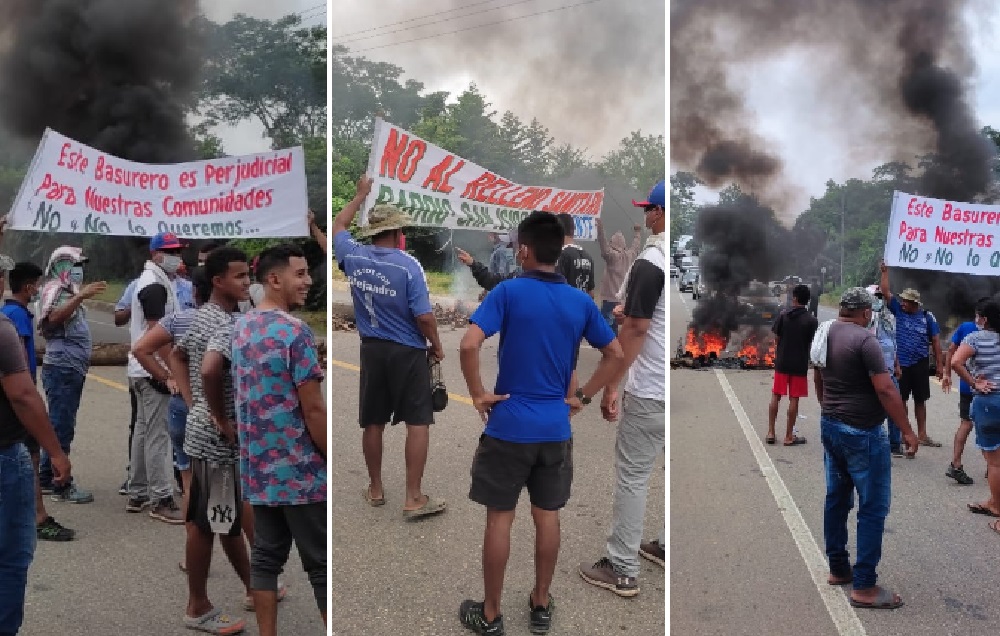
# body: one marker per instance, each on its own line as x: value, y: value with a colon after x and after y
x: 383, y: 218
x: 6, y: 263
x: 911, y: 295
x: 856, y: 298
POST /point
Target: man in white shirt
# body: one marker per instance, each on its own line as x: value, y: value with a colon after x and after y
x: 642, y: 430
x: 150, y: 481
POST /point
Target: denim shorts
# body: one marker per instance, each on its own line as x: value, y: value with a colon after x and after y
x: 177, y: 412
x: 986, y: 421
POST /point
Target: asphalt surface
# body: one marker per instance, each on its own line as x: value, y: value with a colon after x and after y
x: 120, y: 575
x: 397, y: 577
x: 746, y: 530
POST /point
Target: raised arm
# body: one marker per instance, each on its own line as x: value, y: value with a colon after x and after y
x: 346, y: 216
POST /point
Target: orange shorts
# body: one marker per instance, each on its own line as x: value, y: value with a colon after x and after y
x: 794, y: 386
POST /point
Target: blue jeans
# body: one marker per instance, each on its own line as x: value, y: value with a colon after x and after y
x: 177, y: 412
x: 855, y: 459
x: 985, y: 412
x: 17, y: 533
x: 63, y: 388
x: 606, y: 308
x: 895, y: 435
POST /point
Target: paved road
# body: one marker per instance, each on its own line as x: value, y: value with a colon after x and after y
x: 746, y: 520
x: 120, y: 575
x: 393, y: 577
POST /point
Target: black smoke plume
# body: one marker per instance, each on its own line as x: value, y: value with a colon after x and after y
x: 117, y: 75
x: 896, y: 71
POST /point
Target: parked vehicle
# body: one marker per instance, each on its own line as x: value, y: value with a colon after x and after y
x: 688, y: 279
x: 674, y: 272
x: 686, y: 263
x: 757, y: 305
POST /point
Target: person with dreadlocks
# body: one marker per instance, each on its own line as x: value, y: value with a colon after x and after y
x: 63, y: 324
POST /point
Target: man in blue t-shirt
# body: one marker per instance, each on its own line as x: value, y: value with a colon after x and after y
x: 955, y: 469
x: 392, y: 309
x: 916, y: 332
x: 528, y: 440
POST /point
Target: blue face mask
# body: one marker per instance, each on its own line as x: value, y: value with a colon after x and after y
x: 76, y: 275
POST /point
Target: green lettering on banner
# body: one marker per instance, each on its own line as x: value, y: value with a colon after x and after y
x: 474, y: 216
x: 942, y: 257
x: 47, y: 219
x: 908, y: 254
x: 94, y: 225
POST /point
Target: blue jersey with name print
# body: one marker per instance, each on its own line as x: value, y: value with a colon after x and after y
x: 913, y: 333
x: 541, y: 321
x: 388, y: 288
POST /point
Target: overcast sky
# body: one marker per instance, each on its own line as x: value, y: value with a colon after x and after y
x: 790, y: 116
x: 591, y: 74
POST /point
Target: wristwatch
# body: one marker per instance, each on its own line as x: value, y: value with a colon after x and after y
x: 583, y: 398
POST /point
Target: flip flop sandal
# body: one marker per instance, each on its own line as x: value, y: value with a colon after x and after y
x: 980, y: 509
x: 282, y: 593
x: 215, y: 622
x: 796, y: 441
x: 993, y: 526
x: 769, y: 440
x: 886, y: 599
x: 372, y: 501
x: 930, y: 442
x: 431, y: 507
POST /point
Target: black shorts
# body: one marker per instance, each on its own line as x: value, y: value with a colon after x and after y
x: 395, y: 384
x: 201, y: 492
x: 501, y: 469
x: 964, y: 402
x: 916, y: 379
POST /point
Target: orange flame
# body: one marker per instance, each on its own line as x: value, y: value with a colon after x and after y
x: 704, y: 344
x: 755, y: 354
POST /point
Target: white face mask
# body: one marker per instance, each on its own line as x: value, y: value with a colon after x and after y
x: 877, y: 305
x: 170, y: 263
x: 76, y: 275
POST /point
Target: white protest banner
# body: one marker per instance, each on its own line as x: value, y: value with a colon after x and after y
x: 71, y: 187
x: 946, y: 236
x: 440, y: 189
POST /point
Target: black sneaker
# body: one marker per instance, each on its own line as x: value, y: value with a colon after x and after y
x: 958, y: 474
x: 541, y: 617
x: 896, y: 450
x: 52, y: 530
x: 472, y: 616
x: 653, y: 551
x: 136, y: 504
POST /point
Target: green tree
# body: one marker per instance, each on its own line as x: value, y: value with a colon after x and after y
x: 270, y: 71
x: 640, y: 160
x: 683, y: 208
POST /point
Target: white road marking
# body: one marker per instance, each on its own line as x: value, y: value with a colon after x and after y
x: 845, y: 619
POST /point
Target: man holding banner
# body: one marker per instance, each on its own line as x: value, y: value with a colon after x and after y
x: 395, y: 321
x: 916, y: 331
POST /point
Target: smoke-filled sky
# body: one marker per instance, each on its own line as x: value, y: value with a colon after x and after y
x: 591, y: 73
x: 818, y: 119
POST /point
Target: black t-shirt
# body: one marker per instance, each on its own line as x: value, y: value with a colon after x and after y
x: 576, y: 265
x: 12, y: 360
x: 153, y: 300
x: 645, y: 286
x: 795, y: 329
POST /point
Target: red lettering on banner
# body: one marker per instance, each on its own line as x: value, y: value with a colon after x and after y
x: 414, y: 153
x: 189, y: 179
x: 500, y: 184
x: 440, y: 174
x: 922, y: 208
x: 910, y: 233
x: 55, y: 191
x: 72, y: 159
x: 391, y: 153
x: 218, y: 176
x: 473, y: 189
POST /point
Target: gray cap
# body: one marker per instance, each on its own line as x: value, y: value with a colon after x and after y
x: 856, y: 298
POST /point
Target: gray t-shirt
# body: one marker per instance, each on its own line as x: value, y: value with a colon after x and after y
x: 12, y: 361
x: 853, y: 356
x: 201, y: 439
x: 69, y: 344
x: 986, y: 359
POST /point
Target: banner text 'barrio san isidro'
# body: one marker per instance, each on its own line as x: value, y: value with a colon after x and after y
x: 947, y: 236
x: 440, y: 189
x: 71, y: 187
